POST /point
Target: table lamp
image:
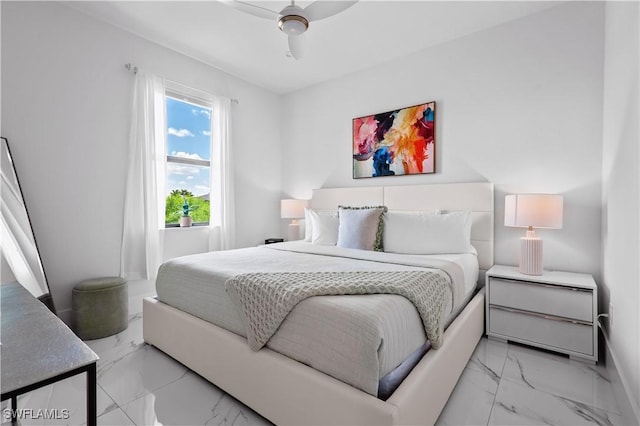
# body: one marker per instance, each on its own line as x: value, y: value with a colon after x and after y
x: 294, y: 210
x: 529, y: 211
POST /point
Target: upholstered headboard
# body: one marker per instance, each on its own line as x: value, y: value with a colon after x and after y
x: 476, y: 197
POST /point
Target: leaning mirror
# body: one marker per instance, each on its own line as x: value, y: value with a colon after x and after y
x: 18, y: 244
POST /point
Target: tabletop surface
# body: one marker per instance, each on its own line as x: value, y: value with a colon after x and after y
x: 573, y: 279
x: 35, y: 344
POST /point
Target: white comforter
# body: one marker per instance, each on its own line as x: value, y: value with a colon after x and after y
x: 356, y: 339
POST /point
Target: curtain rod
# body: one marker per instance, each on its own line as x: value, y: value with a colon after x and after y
x: 134, y: 70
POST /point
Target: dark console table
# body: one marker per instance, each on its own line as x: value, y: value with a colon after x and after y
x: 38, y: 349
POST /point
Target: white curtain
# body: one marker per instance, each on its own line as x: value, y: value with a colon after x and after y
x: 142, y: 240
x: 222, y: 223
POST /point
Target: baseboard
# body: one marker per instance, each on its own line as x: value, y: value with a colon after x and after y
x: 621, y: 388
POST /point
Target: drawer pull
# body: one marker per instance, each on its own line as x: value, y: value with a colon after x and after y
x: 539, y: 315
x: 554, y: 286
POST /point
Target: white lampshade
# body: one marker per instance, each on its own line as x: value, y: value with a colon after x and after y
x: 293, y: 209
x: 529, y: 211
x: 535, y: 210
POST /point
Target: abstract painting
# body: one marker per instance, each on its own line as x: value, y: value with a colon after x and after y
x: 400, y: 142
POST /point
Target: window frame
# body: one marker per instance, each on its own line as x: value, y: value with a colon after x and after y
x: 177, y: 92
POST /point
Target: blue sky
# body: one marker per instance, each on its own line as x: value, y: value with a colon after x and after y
x: 188, y: 135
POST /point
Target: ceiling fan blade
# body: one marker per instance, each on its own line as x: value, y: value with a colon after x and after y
x: 296, y: 43
x: 324, y: 9
x: 251, y: 9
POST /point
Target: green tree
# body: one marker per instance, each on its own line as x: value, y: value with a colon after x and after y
x: 201, y: 212
x: 182, y: 192
x: 173, y: 210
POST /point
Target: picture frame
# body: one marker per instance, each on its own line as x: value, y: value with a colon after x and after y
x: 395, y: 143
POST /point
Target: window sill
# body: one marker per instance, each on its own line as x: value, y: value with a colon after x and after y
x: 175, y: 228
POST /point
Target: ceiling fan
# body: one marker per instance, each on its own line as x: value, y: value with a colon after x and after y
x: 294, y: 20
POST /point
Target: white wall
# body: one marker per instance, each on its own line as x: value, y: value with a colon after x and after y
x: 621, y: 191
x: 65, y: 111
x: 519, y: 105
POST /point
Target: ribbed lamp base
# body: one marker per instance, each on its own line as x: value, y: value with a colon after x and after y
x: 531, y: 256
x: 294, y: 231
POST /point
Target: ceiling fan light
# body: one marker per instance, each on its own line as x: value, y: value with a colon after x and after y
x: 293, y: 24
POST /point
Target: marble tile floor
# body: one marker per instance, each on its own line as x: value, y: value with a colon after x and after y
x: 503, y: 384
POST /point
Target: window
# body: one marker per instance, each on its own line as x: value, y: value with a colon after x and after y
x: 188, y: 158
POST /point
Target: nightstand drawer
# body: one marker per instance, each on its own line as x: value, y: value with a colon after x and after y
x: 539, y: 330
x: 543, y: 298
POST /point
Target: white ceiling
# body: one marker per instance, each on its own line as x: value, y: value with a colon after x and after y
x: 369, y: 33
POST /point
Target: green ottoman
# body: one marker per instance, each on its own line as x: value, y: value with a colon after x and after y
x: 100, y: 307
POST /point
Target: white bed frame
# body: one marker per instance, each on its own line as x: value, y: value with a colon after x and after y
x: 290, y: 393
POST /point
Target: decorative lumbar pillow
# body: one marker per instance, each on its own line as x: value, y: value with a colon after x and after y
x: 360, y: 227
x: 324, y: 227
x: 427, y: 233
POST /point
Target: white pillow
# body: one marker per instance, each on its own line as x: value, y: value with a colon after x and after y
x: 427, y: 233
x: 324, y: 228
x: 308, y: 224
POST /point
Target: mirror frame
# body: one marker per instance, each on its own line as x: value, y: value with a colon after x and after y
x: 46, y: 297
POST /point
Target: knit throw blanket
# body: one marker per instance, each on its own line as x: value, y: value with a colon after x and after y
x: 265, y: 299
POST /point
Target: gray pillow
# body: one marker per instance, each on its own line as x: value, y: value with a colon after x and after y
x: 360, y: 227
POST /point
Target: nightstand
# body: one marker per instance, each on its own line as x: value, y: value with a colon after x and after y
x: 274, y: 240
x: 555, y: 311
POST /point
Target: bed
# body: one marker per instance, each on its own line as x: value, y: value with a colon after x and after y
x: 287, y: 391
